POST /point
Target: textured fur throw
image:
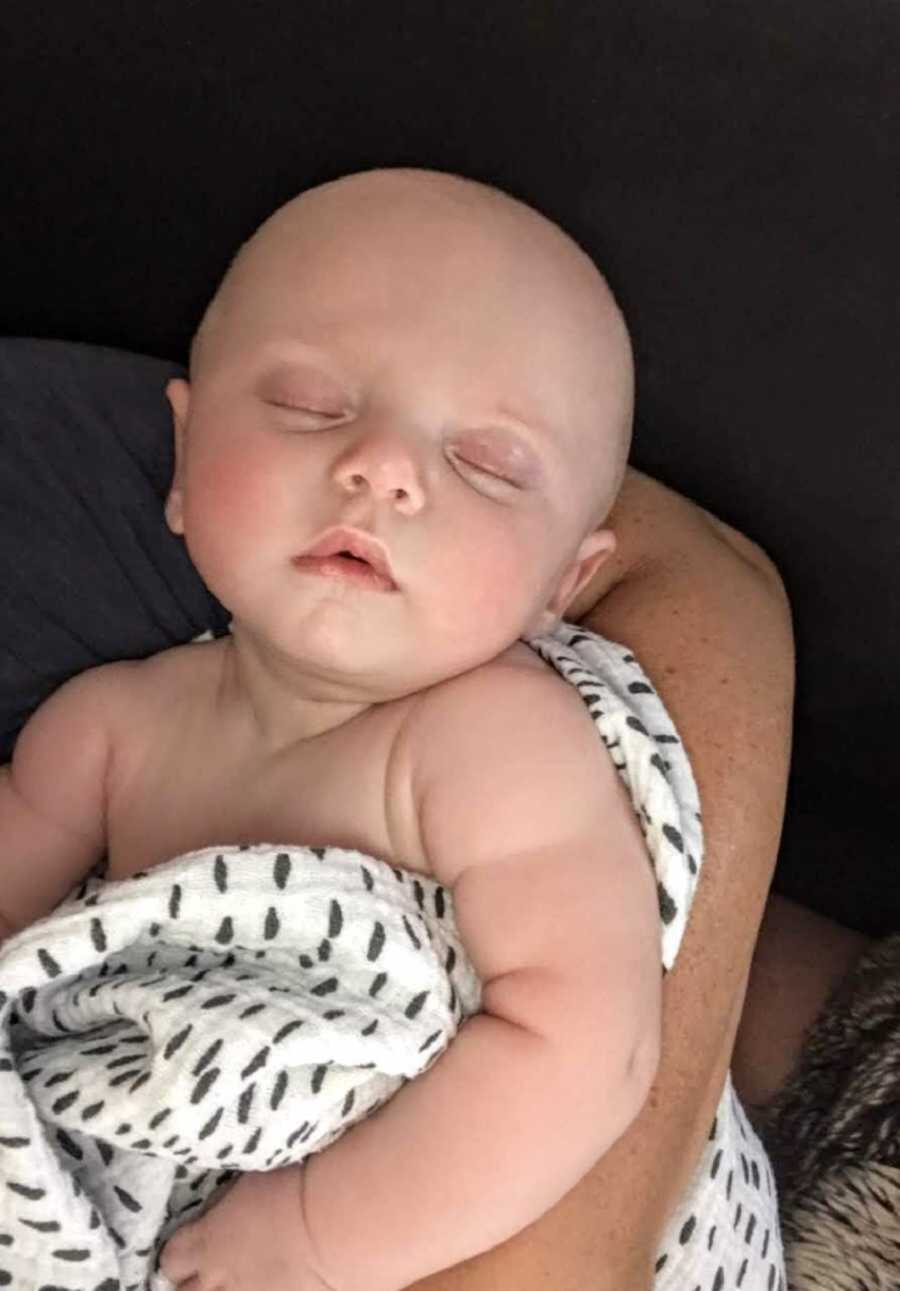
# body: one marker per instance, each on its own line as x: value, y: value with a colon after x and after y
x: 833, y: 1135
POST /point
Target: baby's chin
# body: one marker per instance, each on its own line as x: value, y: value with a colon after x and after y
x: 349, y: 652
x: 326, y: 663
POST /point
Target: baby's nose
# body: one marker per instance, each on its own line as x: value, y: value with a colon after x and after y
x: 386, y: 465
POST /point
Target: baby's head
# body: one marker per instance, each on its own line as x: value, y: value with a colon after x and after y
x: 428, y: 361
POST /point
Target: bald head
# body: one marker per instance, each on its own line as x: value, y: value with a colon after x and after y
x: 447, y: 237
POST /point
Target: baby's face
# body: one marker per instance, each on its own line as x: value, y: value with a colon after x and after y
x: 387, y: 363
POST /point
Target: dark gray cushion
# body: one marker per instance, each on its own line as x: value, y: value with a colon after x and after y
x: 89, y: 572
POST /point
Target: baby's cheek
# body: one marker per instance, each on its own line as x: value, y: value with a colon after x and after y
x: 230, y: 493
x: 228, y: 521
x: 495, y: 583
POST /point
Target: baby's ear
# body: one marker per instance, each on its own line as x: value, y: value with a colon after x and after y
x: 178, y: 393
x: 593, y: 551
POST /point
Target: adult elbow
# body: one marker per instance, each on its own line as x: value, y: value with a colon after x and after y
x: 752, y: 554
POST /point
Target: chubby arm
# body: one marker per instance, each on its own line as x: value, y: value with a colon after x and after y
x: 706, y: 613
x: 522, y: 817
x: 53, y: 798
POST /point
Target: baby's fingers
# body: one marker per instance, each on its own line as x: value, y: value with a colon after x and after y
x: 183, y: 1256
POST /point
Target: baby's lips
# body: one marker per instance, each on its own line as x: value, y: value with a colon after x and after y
x: 341, y: 540
x: 346, y: 568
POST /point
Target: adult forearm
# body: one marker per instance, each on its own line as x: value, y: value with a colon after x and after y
x: 719, y: 647
x: 6, y: 928
x: 707, y: 616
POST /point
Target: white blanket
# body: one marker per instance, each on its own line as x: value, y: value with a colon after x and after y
x: 237, y: 1008
x: 233, y: 1009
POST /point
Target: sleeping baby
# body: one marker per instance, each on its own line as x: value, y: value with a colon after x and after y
x: 408, y: 415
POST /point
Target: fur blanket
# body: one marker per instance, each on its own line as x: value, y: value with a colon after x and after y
x: 833, y: 1135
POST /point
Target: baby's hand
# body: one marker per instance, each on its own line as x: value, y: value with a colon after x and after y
x: 253, y: 1238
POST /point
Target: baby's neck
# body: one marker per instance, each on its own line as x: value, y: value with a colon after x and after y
x: 275, y: 702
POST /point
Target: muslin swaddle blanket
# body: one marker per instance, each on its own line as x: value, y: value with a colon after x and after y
x: 237, y: 1008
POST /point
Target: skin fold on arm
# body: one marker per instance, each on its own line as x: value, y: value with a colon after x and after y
x: 705, y: 612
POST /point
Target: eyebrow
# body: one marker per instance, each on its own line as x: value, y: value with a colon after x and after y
x: 285, y: 358
x: 288, y: 352
x: 523, y: 420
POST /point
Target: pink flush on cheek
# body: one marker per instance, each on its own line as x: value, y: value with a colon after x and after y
x: 231, y: 489
x: 488, y: 578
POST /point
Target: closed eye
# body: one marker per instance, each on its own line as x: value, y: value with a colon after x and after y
x: 491, y: 475
x: 309, y: 412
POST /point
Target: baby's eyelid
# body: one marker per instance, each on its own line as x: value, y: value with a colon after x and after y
x: 483, y: 470
x: 306, y: 409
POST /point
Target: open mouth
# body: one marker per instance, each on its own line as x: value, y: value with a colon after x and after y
x: 343, y: 551
x: 346, y: 567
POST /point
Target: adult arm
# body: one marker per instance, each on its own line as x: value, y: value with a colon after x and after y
x: 706, y: 613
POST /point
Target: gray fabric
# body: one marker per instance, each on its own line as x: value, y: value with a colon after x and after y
x: 89, y: 571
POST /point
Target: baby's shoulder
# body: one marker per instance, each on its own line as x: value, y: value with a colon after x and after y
x: 517, y: 671
x: 512, y: 699
x: 133, y: 692
x: 500, y: 758
x: 172, y: 667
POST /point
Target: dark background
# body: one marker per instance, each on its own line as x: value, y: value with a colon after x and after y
x: 733, y: 167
